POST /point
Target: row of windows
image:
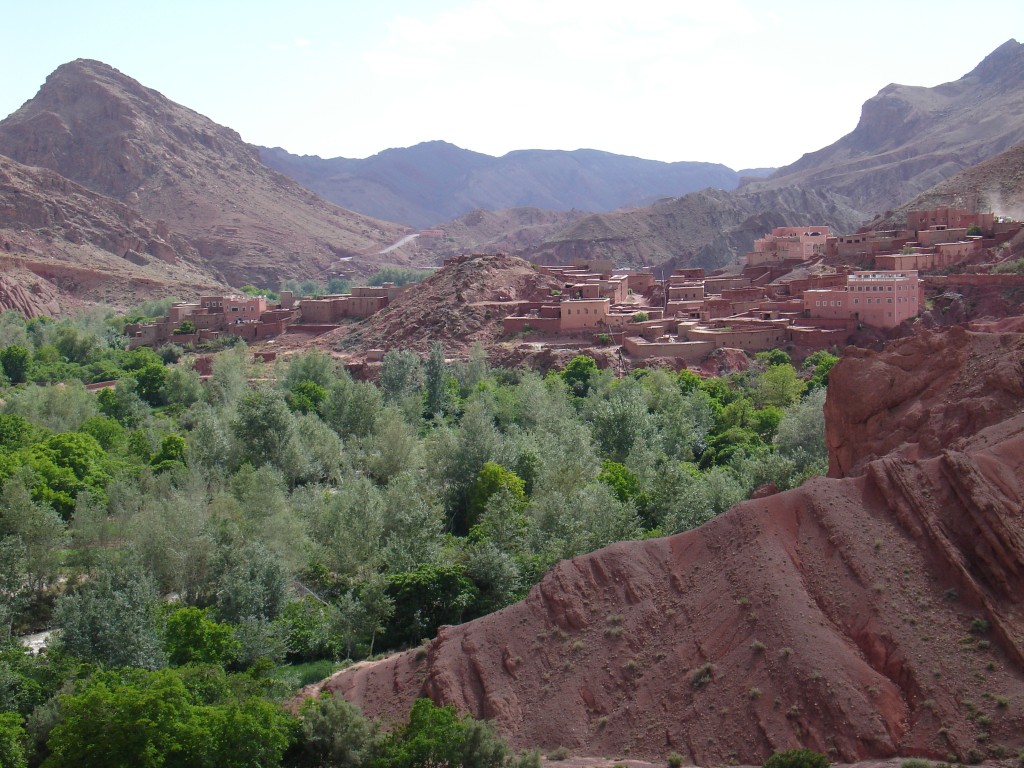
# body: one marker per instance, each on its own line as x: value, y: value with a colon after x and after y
x: 899, y: 300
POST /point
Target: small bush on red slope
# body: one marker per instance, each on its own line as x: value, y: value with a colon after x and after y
x: 797, y: 758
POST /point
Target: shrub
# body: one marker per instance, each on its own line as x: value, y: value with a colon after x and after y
x: 704, y: 675
x: 675, y: 760
x: 797, y: 758
x: 640, y: 317
x: 979, y: 626
x: 916, y: 762
x: 561, y: 753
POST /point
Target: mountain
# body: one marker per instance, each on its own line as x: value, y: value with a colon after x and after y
x: 705, y: 229
x: 908, y: 140
x: 866, y: 615
x: 63, y: 244
x: 435, y: 181
x: 997, y: 184
x: 105, y: 131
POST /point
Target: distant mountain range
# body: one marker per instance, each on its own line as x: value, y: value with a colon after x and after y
x: 433, y: 182
x: 908, y: 140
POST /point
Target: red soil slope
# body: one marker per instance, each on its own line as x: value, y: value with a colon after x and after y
x: 839, y: 616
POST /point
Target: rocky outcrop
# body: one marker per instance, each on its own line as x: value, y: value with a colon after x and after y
x: 865, y: 616
x: 460, y: 304
x: 39, y: 298
x: 927, y: 393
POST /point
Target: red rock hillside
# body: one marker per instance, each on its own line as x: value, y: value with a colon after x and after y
x: 863, y: 616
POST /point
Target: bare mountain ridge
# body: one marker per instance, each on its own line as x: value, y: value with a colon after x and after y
x: 107, y: 132
x: 705, y: 229
x: 996, y: 184
x: 911, y: 138
x: 908, y: 140
x: 63, y: 244
x: 436, y: 181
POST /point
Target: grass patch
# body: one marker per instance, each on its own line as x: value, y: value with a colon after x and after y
x: 296, y: 676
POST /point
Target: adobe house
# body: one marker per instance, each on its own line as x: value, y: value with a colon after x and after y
x: 791, y: 244
x: 880, y: 298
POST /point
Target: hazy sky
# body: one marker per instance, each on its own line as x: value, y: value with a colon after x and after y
x: 747, y: 83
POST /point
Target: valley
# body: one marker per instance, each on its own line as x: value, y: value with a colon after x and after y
x: 558, y: 457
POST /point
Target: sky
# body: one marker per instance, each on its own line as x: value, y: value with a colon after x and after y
x: 746, y: 83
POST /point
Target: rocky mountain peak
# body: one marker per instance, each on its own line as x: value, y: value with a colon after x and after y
x: 107, y: 132
x: 1004, y: 65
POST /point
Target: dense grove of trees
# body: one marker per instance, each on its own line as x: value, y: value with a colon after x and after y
x: 205, y: 547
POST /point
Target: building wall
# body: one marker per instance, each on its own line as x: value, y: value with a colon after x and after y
x: 641, y: 282
x: 583, y: 313
x: 690, y: 351
x: 929, y: 237
x: 686, y: 292
x: 755, y: 339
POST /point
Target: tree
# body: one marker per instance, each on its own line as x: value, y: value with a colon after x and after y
x: 191, y: 637
x: 426, y: 598
x: 254, y: 584
x: 12, y: 741
x: 15, y: 431
x: 150, y: 380
x: 306, y: 396
x: 378, y: 606
x: 820, y: 363
x: 187, y: 327
x: 492, y: 479
x: 111, y: 619
x: 351, y: 408
x: 801, y: 434
x: 135, y: 718
x: 439, y: 736
x: 228, y: 380
x: 579, y: 373
x: 123, y: 403
x: 779, y: 386
x: 182, y: 386
x: 400, y: 374
x: 14, y: 360
x: 263, y: 427
x: 439, y: 397
x: 335, y: 733
x: 37, y: 529
x: 14, y: 591
x: 314, y: 365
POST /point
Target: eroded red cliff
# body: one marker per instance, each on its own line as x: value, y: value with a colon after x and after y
x: 863, y: 616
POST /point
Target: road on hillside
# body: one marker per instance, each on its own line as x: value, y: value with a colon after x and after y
x: 399, y: 244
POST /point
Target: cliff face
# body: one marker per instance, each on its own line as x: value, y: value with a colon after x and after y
x: 840, y: 616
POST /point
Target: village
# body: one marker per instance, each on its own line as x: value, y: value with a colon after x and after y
x: 801, y: 286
